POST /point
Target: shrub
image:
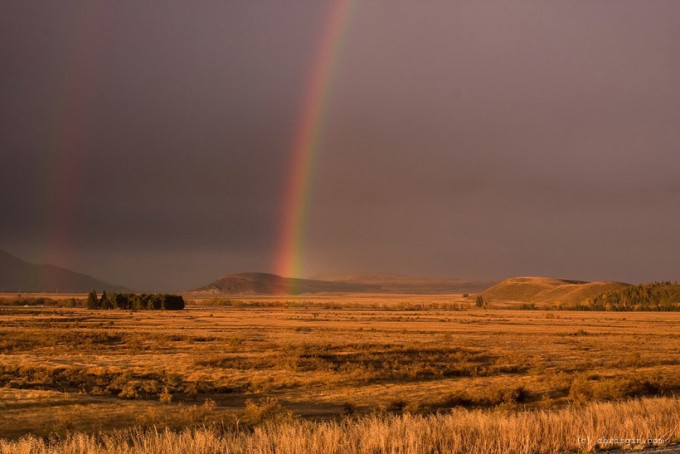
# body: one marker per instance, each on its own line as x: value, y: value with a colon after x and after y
x: 265, y: 410
x: 594, y: 388
x: 165, y: 396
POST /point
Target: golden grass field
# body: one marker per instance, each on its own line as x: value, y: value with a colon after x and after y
x: 366, y: 373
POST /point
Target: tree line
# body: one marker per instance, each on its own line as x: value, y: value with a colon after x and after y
x: 133, y: 301
x: 655, y: 296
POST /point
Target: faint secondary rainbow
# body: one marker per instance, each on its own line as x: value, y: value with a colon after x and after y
x: 308, y: 136
x: 67, y: 132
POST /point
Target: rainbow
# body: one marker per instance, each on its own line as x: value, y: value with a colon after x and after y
x: 307, y: 140
x: 67, y: 132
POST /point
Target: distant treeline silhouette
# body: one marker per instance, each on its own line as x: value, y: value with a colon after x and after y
x: 655, y: 296
x: 133, y: 301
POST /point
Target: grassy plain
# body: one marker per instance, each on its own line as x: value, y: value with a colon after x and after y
x: 303, y: 363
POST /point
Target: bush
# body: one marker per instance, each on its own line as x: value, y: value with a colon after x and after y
x: 491, y: 397
x: 265, y: 410
x: 594, y: 388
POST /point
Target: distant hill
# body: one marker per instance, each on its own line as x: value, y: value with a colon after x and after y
x: 265, y: 284
x: 547, y: 290
x: 17, y: 275
x: 396, y: 283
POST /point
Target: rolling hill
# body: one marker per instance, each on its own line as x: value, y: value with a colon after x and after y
x: 17, y: 275
x: 547, y: 290
x: 263, y: 283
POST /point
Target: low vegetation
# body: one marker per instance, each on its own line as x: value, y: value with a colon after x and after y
x: 125, y: 301
x: 633, y: 424
x: 324, y: 365
x: 39, y: 301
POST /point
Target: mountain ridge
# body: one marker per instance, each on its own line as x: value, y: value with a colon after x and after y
x: 266, y: 283
x: 17, y: 275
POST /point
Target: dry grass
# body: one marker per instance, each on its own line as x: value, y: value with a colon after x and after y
x: 315, y: 359
x: 642, y: 423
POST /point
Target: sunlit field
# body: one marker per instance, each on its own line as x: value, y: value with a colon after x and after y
x: 337, y: 373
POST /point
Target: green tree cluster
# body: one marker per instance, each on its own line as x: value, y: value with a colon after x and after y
x: 655, y: 296
x: 133, y: 301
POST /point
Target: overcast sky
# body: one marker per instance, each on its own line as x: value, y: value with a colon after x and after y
x: 147, y: 143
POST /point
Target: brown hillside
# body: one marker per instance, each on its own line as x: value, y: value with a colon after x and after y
x: 547, y: 290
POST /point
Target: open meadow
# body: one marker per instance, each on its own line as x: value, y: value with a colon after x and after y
x: 249, y: 371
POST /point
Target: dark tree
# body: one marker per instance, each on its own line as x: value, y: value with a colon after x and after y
x: 156, y: 302
x: 105, y: 302
x: 92, y: 301
x: 173, y: 302
x: 121, y: 301
x: 127, y: 301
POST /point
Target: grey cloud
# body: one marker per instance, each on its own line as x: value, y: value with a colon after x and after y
x: 470, y: 139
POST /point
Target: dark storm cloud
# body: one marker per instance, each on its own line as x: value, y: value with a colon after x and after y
x: 466, y: 139
x: 184, y: 133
